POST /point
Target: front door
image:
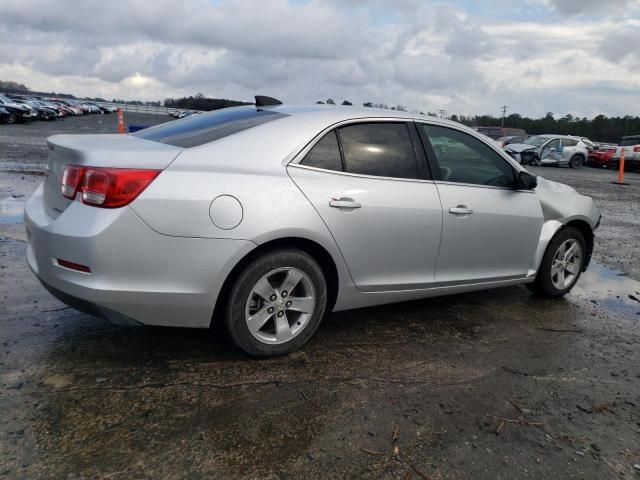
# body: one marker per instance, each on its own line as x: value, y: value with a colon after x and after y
x: 490, y: 231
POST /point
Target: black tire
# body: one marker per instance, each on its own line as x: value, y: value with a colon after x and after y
x: 576, y: 161
x: 242, y: 289
x: 543, y: 284
x: 11, y: 119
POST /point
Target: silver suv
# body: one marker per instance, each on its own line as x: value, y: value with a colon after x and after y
x: 551, y: 150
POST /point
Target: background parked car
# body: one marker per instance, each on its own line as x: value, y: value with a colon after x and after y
x: 601, y: 156
x: 17, y: 113
x: 550, y: 150
x: 42, y: 112
x: 4, y: 114
x: 504, y: 141
x: 499, y: 132
x: 631, y: 146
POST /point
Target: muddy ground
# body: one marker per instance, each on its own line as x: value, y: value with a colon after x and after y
x: 495, y: 384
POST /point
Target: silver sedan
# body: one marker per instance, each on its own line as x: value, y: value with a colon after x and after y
x: 269, y: 216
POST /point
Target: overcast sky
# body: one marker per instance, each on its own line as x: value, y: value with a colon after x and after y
x: 466, y: 56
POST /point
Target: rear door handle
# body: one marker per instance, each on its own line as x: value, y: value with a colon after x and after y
x: 461, y: 210
x: 344, y: 203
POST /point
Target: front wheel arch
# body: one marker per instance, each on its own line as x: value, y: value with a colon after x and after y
x: 589, y: 237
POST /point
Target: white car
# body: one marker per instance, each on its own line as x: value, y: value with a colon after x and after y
x: 551, y: 150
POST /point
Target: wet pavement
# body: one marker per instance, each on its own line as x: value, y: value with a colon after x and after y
x: 494, y: 384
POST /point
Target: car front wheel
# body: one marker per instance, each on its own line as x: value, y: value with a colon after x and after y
x: 561, y: 265
x: 276, y: 303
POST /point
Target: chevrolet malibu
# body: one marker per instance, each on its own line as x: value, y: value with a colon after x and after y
x: 269, y: 216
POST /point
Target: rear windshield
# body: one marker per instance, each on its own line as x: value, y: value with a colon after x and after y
x: 206, y: 127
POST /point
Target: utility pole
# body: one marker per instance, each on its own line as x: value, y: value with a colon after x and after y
x: 504, y: 114
x: 442, y: 113
x: 626, y: 125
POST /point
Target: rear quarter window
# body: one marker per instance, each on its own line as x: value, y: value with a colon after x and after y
x: 197, y: 130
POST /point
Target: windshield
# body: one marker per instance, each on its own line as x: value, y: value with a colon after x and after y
x: 536, y: 141
x: 627, y: 142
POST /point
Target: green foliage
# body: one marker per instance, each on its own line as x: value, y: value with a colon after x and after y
x: 200, y: 102
x: 600, y: 128
x: 13, y: 87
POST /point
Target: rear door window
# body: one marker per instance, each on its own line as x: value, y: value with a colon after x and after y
x: 379, y: 149
x: 197, y: 130
x: 325, y: 154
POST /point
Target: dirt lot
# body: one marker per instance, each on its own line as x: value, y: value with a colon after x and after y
x: 495, y: 384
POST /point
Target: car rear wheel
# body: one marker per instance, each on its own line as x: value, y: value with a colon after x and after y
x: 576, y: 161
x: 561, y: 265
x: 11, y: 118
x: 276, y: 303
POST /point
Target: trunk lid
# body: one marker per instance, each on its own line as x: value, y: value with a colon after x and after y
x: 111, y: 150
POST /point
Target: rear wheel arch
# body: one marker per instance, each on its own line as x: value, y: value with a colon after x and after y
x: 310, y: 247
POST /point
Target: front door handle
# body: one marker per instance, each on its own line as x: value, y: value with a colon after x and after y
x: 344, y: 202
x: 461, y: 210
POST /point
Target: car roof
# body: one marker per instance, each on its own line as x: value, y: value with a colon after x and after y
x: 338, y: 113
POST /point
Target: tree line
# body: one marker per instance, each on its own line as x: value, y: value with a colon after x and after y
x: 200, y: 102
x: 599, y: 129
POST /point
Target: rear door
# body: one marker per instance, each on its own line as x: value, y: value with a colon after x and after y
x: 490, y: 230
x: 369, y: 183
x: 569, y: 149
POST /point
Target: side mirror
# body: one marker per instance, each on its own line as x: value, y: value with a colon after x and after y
x: 526, y: 181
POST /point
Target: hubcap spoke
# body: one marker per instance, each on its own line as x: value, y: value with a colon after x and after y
x: 557, y: 266
x: 291, y: 280
x: 264, y: 289
x: 302, y: 304
x: 258, y: 319
x: 574, y: 267
x: 283, y: 330
x: 561, y: 277
x: 571, y: 251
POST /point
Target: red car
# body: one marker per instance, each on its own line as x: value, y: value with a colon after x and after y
x: 601, y: 156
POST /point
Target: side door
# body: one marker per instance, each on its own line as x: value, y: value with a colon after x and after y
x: 490, y: 230
x: 569, y: 149
x: 551, y: 152
x: 369, y: 182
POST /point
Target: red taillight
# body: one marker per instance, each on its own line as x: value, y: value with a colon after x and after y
x: 636, y: 149
x: 106, y: 187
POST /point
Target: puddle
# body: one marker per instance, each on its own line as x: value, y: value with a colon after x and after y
x: 11, y: 210
x: 610, y: 288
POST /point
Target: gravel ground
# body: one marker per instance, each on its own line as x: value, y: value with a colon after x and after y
x: 488, y: 385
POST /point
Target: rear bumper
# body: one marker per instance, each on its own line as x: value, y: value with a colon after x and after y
x: 137, y: 275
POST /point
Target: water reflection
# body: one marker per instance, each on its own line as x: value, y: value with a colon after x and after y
x: 11, y: 210
x: 609, y: 288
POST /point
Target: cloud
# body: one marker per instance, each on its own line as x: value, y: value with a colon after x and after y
x: 590, y: 7
x: 425, y: 54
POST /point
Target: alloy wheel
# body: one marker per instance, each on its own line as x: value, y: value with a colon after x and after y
x: 280, y: 305
x: 566, y: 264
